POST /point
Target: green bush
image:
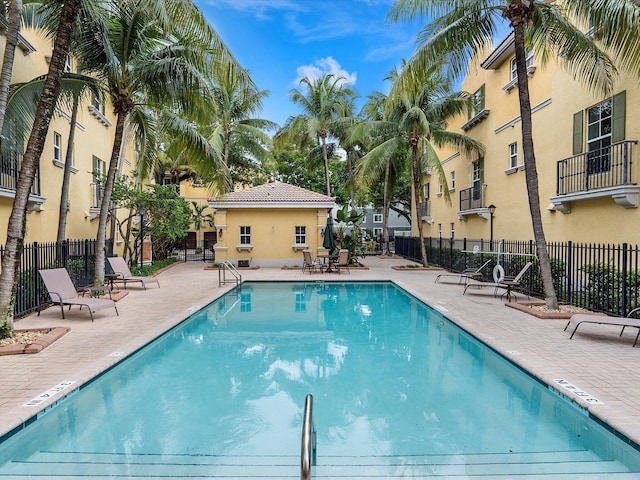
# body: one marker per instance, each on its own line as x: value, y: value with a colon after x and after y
x: 6, y: 330
x: 147, y: 270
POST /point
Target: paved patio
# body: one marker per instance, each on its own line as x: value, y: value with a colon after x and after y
x: 597, y: 361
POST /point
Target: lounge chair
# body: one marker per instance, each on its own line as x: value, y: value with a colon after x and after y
x: 474, y: 273
x: 508, y: 283
x: 62, y: 292
x: 123, y: 274
x: 578, y: 319
x: 342, y: 261
x: 310, y: 263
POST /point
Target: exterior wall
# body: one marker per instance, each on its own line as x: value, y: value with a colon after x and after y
x: 93, y: 138
x: 555, y: 97
x: 198, y: 193
x: 272, y: 234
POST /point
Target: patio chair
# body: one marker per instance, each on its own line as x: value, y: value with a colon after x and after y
x: 310, y: 263
x: 473, y: 273
x: 62, y: 292
x: 578, y: 319
x: 123, y: 274
x: 508, y: 283
x: 342, y: 261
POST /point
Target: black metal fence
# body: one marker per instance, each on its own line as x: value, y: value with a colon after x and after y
x: 188, y: 250
x: 77, y: 256
x: 600, y: 277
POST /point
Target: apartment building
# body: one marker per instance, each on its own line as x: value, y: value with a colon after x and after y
x: 586, y: 152
x: 92, y: 148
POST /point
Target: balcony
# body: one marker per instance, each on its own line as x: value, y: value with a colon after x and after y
x: 9, y: 171
x: 424, y: 212
x: 471, y: 203
x: 606, y: 172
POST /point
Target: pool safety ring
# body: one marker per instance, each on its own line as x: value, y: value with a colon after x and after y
x: 498, y: 273
x: 476, y: 249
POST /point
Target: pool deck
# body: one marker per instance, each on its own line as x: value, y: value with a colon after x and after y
x: 597, y: 362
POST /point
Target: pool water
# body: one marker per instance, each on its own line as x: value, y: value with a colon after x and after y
x: 398, y: 391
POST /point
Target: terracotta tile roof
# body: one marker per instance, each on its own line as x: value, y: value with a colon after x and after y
x: 276, y: 192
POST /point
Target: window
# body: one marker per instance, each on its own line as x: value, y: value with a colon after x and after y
x: 97, y: 104
x: 513, y: 155
x: 377, y: 218
x: 453, y: 230
x: 439, y: 230
x: 99, y: 171
x: 599, y: 122
x: 245, y: 235
x: 377, y: 232
x: 440, y: 189
x: 68, y: 64
x: 57, y: 142
x: 478, y: 101
x: 514, y: 72
x: 452, y: 185
x: 426, y: 191
x: 301, y: 235
x: 476, y: 179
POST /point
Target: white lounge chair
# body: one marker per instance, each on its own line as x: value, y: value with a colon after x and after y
x: 62, y: 292
x: 123, y: 274
x: 508, y: 283
x: 578, y: 319
x: 467, y: 274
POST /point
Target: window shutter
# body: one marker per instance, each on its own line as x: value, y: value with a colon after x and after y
x: 578, y: 127
x: 619, y: 112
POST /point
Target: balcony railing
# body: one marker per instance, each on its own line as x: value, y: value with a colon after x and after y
x: 471, y: 198
x: 10, y: 170
x: 424, y: 209
x: 96, y: 195
x: 604, y: 168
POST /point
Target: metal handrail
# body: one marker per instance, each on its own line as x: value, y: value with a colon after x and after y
x: 308, y: 453
x: 222, y: 276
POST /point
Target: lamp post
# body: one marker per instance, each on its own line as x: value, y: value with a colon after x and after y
x: 142, y: 211
x: 492, y: 210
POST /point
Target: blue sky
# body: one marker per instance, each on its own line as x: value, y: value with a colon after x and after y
x: 281, y: 41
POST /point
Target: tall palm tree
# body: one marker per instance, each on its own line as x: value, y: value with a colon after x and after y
x: 414, y: 119
x: 321, y: 101
x: 18, y: 219
x: 148, y: 53
x: 235, y: 129
x: 370, y: 133
x: 464, y: 28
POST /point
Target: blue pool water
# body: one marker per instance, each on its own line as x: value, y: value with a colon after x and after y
x: 398, y: 391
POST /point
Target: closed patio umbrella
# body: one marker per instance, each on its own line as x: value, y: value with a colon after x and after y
x: 329, y: 241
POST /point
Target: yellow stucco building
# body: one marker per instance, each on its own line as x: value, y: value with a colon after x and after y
x: 269, y: 225
x: 586, y: 154
x: 95, y: 127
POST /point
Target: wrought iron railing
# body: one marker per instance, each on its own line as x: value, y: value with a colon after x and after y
x: 471, y: 198
x: 10, y: 170
x: 597, y: 169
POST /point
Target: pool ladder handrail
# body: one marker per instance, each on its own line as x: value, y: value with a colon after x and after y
x: 227, y: 266
x: 308, y: 453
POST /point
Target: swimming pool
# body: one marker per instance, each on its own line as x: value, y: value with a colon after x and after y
x: 398, y: 391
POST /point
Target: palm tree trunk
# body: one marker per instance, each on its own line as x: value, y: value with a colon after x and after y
x: 18, y: 219
x: 15, y: 16
x: 101, y: 237
x: 64, y: 194
x: 531, y: 174
x: 386, y: 202
x: 415, y: 173
x: 326, y: 163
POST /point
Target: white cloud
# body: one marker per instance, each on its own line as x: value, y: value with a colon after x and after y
x: 322, y: 67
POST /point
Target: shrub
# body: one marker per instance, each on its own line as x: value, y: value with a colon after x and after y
x: 6, y: 330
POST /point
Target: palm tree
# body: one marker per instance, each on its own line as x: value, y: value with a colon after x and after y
x: 464, y: 28
x: 414, y: 119
x: 148, y: 53
x: 199, y: 218
x: 18, y: 219
x: 321, y: 103
x: 370, y: 133
x: 235, y: 129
